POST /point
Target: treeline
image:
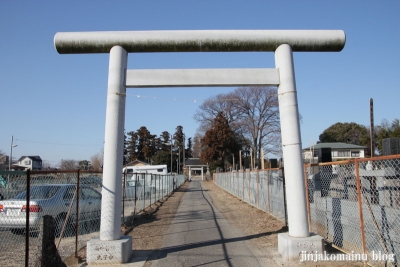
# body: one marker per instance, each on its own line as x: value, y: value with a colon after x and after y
x: 357, y: 134
x: 157, y: 150
x: 144, y: 146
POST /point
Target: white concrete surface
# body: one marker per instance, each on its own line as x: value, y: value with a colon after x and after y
x: 201, y: 77
x: 109, y: 252
x: 199, y: 41
x: 291, y: 144
x: 110, y: 227
x: 292, y: 247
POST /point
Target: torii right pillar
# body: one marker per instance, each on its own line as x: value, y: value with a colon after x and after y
x: 298, y: 240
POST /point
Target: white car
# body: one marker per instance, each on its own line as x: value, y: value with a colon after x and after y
x: 54, y: 200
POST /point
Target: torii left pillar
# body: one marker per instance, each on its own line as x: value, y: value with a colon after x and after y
x: 111, y: 247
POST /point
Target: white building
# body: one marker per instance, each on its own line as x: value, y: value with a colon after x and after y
x: 339, y: 151
x: 30, y: 162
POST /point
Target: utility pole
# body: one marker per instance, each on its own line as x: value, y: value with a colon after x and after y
x: 371, y: 127
x: 10, y: 159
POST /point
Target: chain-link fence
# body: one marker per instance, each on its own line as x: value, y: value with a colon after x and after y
x: 141, y: 190
x: 355, y: 205
x: 263, y: 189
x: 73, y: 200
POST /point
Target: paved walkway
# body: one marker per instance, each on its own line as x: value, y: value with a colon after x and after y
x: 200, y: 235
x: 191, y: 231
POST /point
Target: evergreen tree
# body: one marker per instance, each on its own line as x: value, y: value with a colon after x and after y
x: 219, y: 143
x: 386, y: 130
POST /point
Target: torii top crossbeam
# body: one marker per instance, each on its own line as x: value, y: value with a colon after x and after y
x: 200, y: 41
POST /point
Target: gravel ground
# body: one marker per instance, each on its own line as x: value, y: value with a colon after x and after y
x: 149, y: 228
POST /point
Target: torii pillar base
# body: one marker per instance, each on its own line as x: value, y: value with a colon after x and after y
x: 109, y: 251
x: 292, y: 248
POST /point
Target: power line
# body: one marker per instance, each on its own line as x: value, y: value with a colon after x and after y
x: 164, y: 98
x: 191, y: 99
x: 59, y: 144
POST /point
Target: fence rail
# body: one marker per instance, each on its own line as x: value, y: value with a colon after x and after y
x: 354, y: 204
x: 73, y: 199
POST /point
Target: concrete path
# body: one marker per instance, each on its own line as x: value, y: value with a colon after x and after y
x: 201, y: 236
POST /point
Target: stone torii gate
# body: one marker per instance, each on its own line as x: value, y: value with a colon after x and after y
x: 111, y: 247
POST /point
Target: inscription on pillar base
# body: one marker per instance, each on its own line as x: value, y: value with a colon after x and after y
x: 109, y: 252
x: 291, y: 247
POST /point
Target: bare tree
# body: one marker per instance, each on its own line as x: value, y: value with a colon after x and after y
x: 3, y: 161
x: 260, y: 117
x: 252, y: 113
x: 68, y: 164
x: 46, y: 165
x: 208, y: 111
x: 97, y: 162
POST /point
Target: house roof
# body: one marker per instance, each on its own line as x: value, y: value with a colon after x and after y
x: 33, y: 158
x: 335, y: 146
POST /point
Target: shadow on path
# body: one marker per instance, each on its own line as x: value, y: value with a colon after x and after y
x: 163, y: 253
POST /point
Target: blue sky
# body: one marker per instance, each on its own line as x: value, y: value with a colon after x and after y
x: 54, y: 105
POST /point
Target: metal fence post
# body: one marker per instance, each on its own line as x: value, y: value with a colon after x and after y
x: 231, y: 181
x: 77, y: 214
x: 237, y: 182
x: 28, y: 197
x: 268, y: 193
x: 249, y: 186
x: 123, y: 197
x: 244, y: 172
x: 307, y: 197
x: 136, y: 182
x: 258, y: 188
x: 284, y: 195
x: 151, y: 180
x: 144, y: 191
x: 358, y: 185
